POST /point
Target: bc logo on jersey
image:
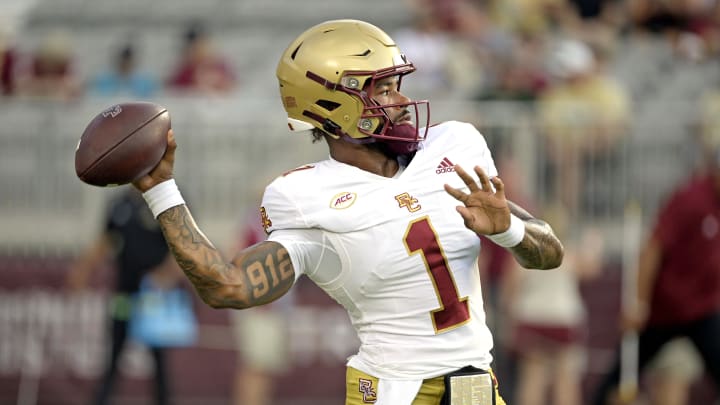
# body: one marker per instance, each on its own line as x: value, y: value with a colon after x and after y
x: 405, y: 200
x: 343, y: 200
x: 369, y: 395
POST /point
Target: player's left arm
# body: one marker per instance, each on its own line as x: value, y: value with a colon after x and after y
x: 486, y: 211
x: 539, y: 248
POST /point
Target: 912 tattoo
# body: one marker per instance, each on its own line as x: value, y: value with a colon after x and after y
x: 258, y: 275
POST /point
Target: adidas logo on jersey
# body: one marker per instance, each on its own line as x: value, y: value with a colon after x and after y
x: 445, y: 166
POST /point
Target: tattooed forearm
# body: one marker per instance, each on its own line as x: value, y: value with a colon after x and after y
x: 258, y: 275
x: 540, y: 248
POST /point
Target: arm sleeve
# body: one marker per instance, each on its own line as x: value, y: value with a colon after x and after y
x: 310, y: 253
x: 281, y: 210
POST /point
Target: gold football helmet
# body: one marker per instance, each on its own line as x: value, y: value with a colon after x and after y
x: 323, y: 75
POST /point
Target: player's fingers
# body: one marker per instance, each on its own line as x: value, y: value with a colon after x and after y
x: 171, y: 146
x: 466, y: 178
x: 484, y: 181
x: 466, y: 216
x: 171, y: 138
x: 499, y: 186
x: 457, y: 194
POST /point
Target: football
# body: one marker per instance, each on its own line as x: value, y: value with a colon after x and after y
x: 122, y: 143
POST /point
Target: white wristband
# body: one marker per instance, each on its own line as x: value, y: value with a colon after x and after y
x: 163, y: 196
x: 512, y: 236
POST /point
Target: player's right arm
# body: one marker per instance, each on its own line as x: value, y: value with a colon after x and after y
x: 257, y: 275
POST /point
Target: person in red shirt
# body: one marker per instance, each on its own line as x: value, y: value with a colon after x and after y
x: 50, y: 73
x: 678, y: 284
x: 202, y: 69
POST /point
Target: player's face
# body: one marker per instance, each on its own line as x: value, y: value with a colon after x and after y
x: 387, y: 91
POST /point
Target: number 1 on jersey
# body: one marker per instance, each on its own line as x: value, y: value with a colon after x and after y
x: 420, y: 237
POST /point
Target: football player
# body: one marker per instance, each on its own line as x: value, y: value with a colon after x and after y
x: 377, y: 225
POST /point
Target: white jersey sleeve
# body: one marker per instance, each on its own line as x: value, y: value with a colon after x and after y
x: 309, y: 252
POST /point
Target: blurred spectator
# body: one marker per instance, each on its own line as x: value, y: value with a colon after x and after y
x: 201, y: 68
x: 49, y: 73
x: 550, y: 320
x: 678, y: 282
x: 519, y: 73
x: 477, y: 45
x: 663, y: 17
x: 584, y: 115
x: 588, y: 9
x: 261, y: 335
x: 454, y: 45
x: 444, y: 12
x: 690, y: 26
x: 671, y: 374
x: 496, y: 265
x: 7, y: 65
x: 533, y: 17
x: 709, y: 118
x: 124, y: 78
x: 426, y: 45
x: 134, y: 245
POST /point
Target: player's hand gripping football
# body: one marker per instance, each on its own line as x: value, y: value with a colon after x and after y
x: 163, y: 171
x: 484, y: 211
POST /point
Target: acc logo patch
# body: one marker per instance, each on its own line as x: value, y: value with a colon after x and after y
x: 343, y: 200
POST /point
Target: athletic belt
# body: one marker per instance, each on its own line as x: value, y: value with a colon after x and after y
x: 469, y: 386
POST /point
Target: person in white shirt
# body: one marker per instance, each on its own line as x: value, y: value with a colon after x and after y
x: 377, y: 225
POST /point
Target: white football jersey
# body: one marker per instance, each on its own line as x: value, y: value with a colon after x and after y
x: 394, y: 253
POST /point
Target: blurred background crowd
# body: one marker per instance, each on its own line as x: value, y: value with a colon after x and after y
x: 595, y: 111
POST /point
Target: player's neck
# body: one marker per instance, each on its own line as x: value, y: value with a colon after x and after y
x: 361, y: 156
